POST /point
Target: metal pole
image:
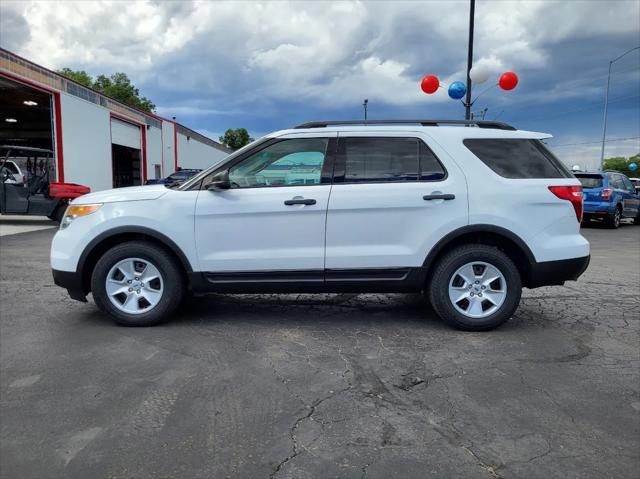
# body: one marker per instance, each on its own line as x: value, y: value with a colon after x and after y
x: 467, y: 103
x: 604, y: 123
x: 606, y: 103
x: 366, y: 101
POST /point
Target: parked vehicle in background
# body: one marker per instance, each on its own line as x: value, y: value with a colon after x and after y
x: 468, y: 212
x: 10, y: 172
x: 39, y: 196
x: 609, y: 196
x: 176, y: 178
x: 636, y: 183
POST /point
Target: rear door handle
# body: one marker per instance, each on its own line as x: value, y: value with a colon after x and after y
x: 300, y: 201
x: 442, y: 196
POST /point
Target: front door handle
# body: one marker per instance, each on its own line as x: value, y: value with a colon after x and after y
x: 441, y: 196
x: 300, y: 201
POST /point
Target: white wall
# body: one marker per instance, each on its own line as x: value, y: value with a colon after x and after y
x: 154, y: 151
x: 167, y: 138
x: 193, y: 154
x: 86, y: 143
x: 86, y: 136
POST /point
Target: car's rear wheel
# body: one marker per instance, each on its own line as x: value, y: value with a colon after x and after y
x: 138, y: 284
x: 475, y: 287
x: 613, y: 220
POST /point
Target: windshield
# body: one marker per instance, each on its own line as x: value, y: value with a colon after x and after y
x: 10, y: 165
x: 590, y: 181
x: 187, y: 184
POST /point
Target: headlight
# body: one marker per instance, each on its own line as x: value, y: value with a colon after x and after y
x: 76, y: 211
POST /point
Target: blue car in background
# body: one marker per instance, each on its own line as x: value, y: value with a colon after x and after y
x: 609, y: 196
x: 176, y: 178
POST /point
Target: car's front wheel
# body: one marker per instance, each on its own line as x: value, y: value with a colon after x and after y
x: 475, y: 287
x: 137, y: 283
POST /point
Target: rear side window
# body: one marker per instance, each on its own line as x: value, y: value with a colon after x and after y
x: 517, y: 158
x: 382, y: 160
x: 590, y: 181
x: 615, y: 181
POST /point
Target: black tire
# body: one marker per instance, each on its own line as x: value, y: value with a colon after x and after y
x: 613, y: 220
x: 169, y: 268
x: 636, y: 220
x: 444, y: 271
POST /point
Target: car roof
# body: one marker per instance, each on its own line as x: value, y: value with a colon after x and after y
x: 447, y: 132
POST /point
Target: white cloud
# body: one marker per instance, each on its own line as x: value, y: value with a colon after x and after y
x: 577, y: 150
x: 326, y: 51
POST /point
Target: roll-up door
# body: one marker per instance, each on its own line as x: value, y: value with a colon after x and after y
x: 125, y: 134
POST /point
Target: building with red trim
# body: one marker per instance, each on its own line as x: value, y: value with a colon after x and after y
x: 97, y: 141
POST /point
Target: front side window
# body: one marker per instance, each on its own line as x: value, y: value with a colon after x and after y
x: 627, y: 184
x: 382, y: 160
x: 517, y: 158
x: 292, y: 162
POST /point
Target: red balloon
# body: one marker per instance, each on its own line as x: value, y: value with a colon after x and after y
x: 508, y: 81
x: 430, y: 84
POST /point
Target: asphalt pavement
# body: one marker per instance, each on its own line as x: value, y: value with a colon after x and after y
x: 322, y: 386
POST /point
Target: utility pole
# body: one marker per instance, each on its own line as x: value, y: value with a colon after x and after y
x: 364, y: 105
x: 467, y: 103
x: 606, y: 103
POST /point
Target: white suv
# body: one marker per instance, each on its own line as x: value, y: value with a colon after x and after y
x: 468, y: 212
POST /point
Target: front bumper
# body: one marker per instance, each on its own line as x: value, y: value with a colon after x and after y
x: 555, y: 273
x: 72, y: 281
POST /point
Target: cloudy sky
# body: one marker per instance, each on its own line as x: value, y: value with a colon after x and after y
x: 267, y: 66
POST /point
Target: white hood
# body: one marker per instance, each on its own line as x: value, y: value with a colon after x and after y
x: 132, y: 193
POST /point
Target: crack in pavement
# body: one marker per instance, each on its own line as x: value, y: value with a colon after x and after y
x: 292, y: 432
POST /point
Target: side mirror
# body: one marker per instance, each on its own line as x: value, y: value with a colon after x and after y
x: 219, y: 182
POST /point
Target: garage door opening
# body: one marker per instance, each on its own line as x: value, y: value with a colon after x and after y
x: 26, y: 119
x: 126, y: 147
x: 126, y: 166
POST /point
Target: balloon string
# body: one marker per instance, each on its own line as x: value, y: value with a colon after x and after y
x: 483, y: 92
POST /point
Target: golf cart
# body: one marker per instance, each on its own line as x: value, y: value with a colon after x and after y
x: 38, y: 195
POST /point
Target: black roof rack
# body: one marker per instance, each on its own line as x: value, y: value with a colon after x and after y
x: 26, y: 148
x: 478, y: 123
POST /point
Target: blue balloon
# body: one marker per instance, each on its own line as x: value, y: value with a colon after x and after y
x: 632, y: 167
x: 457, y: 90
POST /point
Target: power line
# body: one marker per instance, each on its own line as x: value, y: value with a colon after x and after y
x: 575, y: 110
x: 595, y: 142
x: 580, y: 82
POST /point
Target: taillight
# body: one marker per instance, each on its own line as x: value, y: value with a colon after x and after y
x: 606, y: 193
x: 570, y: 193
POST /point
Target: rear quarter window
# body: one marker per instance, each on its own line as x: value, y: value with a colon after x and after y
x: 591, y: 181
x: 517, y: 158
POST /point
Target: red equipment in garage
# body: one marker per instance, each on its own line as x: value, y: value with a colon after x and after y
x: 38, y: 196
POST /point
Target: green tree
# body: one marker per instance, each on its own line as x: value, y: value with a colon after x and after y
x: 621, y: 164
x: 79, y: 76
x: 236, y: 139
x: 117, y: 86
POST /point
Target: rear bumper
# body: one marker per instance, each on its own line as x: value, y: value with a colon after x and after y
x: 72, y: 281
x: 554, y: 273
x: 598, y: 207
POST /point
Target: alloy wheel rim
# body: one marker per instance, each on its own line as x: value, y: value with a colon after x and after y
x: 134, y: 285
x: 477, y: 289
